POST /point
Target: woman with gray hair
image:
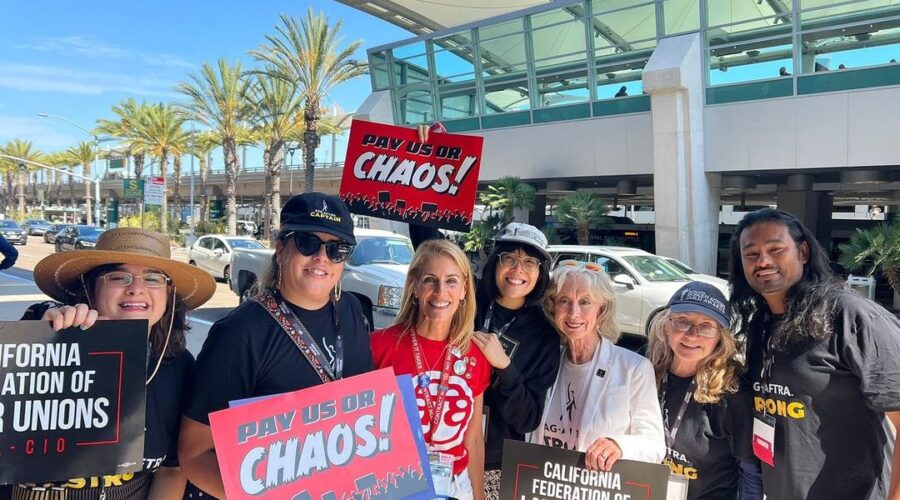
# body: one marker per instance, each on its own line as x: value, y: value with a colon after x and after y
x: 603, y: 402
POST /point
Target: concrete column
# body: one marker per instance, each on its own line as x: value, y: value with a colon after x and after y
x: 537, y: 217
x: 813, y: 208
x: 377, y: 108
x: 686, y: 198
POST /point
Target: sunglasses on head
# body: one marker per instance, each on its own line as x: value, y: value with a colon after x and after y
x: 308, y: 244
x: 580, y: 264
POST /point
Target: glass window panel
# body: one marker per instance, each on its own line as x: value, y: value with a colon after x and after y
x: 753, y: 61
x: 637, y: 49
x: 681, y: 16
x: 621, y: 27
x: 453, y: 62
x: 556, y: 16
x: 380, y: 77
x: 598, y: 6
x: 852, y: 47
x: 738, y: 33
x: 562, y: 86
x: 458, y: 102
x: 416, y: 107
x: 570, y: 58
x: 557, y: 40
x: 504, y: 95
x: 502, y: 29
x: 405, y: 73
x: 611, y: 79
x: 505, y: 51
x: 721, y: 12
x: 406, y: 51
x: 454, y: 40
x: 517, y: 70
x: 847, y: 12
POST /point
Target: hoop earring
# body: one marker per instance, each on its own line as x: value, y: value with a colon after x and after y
x: 337, y: 291
x: 462, y: 301
x: 277, y: 277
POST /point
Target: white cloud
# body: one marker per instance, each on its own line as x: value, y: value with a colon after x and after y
x: 44, y: 134
x: 36, y: 78
x: 82, y: 45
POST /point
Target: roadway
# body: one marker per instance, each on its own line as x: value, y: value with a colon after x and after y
x: 18, y: 291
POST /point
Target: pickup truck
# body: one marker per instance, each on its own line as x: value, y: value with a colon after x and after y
x: 375, y: 272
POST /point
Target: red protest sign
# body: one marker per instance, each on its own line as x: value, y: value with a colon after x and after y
x: 349, y: 439
x: 388, y: 173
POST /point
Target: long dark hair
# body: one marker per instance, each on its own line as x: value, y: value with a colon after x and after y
x: 809, y: 303
x: 177, y: 341
x: 489, y: 289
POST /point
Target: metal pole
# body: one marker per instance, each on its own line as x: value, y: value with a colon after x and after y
x: 192, y: 179
x: 97, y: 181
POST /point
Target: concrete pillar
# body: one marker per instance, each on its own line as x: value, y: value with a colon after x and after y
x: 377, y: 108
x: 686, y: 198
x: 537, y: 217
x: 813, y: 208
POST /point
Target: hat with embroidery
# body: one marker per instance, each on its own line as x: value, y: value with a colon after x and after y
x: 526, y: 234
x: 318, y: 212
x: 702, y: 298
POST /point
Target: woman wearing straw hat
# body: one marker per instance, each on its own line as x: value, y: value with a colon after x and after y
x: 128, y: 275
x: 299, y: 331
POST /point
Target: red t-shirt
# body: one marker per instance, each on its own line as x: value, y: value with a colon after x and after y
x: 389, y: 348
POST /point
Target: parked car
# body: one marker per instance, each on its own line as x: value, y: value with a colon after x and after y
x: 50, y: 233
x: 694, y: 275
x: 643, y: 282
x: 13, y: 232
x: 77, y: 238
x: 35, y: 227
x: 212, y: 253
x: 374, y: 273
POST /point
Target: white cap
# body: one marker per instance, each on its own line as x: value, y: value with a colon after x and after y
x: 526, y: 234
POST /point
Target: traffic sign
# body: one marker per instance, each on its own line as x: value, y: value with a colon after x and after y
x: 133, y: 189
x: 154, y: 190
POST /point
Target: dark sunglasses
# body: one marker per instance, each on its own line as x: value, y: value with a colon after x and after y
x: 309, y: 244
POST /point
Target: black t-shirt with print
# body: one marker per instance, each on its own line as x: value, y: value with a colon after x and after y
x: 710, y: 441
x: 247, y: 354
x: 828, y: 399
x: 514, y: 402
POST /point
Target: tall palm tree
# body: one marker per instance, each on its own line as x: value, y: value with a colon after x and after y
x: 218, y: 99
x: 204, y: 143
x: 56, y: 160
x: 160, y: 133
x: 308, y: 53
x: 83, y: 154
x: 25, y: 150
x: 509, y: 194
x: 581, y: 211
x: 275, y: 106
x: 129, y: 114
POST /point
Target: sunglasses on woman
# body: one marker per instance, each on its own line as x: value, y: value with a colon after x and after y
x: 580, y: 264
x: 308, y: 244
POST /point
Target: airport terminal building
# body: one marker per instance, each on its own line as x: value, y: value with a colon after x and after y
x: 695, y: 109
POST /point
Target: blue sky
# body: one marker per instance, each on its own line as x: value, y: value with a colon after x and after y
x: 77, y: 59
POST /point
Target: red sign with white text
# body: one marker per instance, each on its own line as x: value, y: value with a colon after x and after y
x: 389, y: 173
x: 349, y: 439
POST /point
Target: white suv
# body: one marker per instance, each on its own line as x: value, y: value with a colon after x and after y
x: 643, y: 282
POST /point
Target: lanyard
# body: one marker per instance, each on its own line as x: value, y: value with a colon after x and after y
x: 290, y: 323
x: 768, y: 361
x: 671, y: 432
x: 487, y: 322
x: 434, y: 409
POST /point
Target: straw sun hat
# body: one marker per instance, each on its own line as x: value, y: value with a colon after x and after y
x: 59, y: 275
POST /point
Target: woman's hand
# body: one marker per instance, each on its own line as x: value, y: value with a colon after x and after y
x: 79, y: 315
x: 602, y: 454
x: 492, y: 349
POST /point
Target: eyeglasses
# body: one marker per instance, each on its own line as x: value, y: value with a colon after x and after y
x: 509, y: 259
x: 580, y: 264
x: 123, y: 279
x: 684, y: 326
x: 309, y: 244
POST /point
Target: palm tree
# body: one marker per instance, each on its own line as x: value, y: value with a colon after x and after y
x: 160, y: 134
x: 309, y: 54
x: 204, y: 143
x: 875, y: 249
x: 509, y: 194
x: 24, y: 150
x: 55, y: 160
x: 129, y: 115
x: 581, y: 211
x: 218, y: 99
x: 83, y: 154
x: 275, y: 106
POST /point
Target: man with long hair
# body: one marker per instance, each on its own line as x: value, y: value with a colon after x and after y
x: 824, y: 363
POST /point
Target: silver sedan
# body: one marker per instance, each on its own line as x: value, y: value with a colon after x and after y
x: 212, y: 253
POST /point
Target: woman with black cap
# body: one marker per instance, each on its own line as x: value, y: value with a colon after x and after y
x: 705, y: 418
x: 299, y: 331
x: 517, y: 339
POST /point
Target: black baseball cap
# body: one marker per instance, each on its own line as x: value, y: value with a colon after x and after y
x: 702, y: 298
x: 318, y: 212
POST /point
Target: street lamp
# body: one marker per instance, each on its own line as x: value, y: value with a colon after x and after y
x: 96, y: 180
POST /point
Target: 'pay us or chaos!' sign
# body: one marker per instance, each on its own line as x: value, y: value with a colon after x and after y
x: 72, y: 402
x: 535, y: 472
x: 349, y: 439
x: 388, y: 173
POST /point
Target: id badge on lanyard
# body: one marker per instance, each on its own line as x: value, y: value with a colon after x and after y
x: 763, y: 423
x: 441, y: 472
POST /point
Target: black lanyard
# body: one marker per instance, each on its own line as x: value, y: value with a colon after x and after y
x: 768, y: 357
x: 671, y: 432
x: 487, y: 321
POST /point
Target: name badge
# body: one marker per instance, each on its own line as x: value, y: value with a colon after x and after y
x: 441, y: 472
x: 764, y: 438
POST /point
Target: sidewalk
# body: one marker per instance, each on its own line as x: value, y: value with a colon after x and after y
x: 16, y: 294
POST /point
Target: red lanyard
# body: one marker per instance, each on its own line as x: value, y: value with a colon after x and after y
x: 434, y: 409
